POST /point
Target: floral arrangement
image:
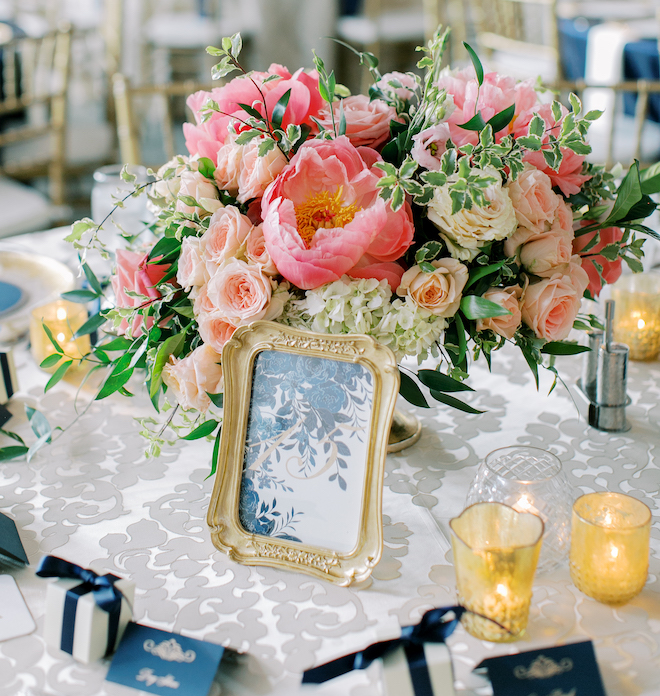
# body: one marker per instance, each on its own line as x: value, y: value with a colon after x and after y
x: 444, y: 215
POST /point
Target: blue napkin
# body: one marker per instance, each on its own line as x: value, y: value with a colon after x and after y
x: 10, y: 296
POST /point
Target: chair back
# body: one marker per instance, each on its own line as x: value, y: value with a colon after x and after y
x: 148, y: 126
x: 33, y: 92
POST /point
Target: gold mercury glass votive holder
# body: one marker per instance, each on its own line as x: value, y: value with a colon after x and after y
x: 496, y: 550
x: 637, y: 316
x: 63, y: 319
x: 610, y: 537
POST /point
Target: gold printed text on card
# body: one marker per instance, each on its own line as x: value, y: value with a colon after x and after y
x: 543, y: 668
x: 305, y: 558
x: 326, y: 345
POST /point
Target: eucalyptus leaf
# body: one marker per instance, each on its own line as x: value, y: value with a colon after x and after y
x: 79, y: 296
x: 454, y: 402
x: 12, y: 452
x: 440, y: 382
x: 92, y: 279
x: 58, y: 374
x: 91, y: 325
x: 563, y: 348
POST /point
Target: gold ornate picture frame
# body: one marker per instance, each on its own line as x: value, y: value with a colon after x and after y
x: 302, y: 452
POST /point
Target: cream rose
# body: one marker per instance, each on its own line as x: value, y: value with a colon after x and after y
x: 438, y: 292
x: 195, y: 376
x: 257, y: 173
x: 167, y: 190
x: 240, y: 292
x: 203, y: 190
x: 214, y: 329
x: 226, y: 235
x: 191, y: 271
x: 551, y: 305
x: 506, y: 324
x: 534, y: 201
x: 467, y: 230
x: 228, y: 168
x: 257, y: 253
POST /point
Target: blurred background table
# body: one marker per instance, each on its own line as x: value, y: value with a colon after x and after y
x: 92, y: 498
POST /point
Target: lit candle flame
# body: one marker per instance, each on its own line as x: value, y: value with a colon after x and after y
x: 608, y: 519
x: 614, y: 551
x: 60, y: 337
x: 524, y: 503
x: 502, y: 590
x: 61, y: 313
x: 641, y: 324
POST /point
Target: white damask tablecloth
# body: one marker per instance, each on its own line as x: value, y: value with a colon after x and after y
x: 93, y: 498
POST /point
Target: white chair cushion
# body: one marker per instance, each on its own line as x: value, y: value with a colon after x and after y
x: 23, y: 208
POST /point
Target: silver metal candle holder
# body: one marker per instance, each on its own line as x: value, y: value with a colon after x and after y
x: 604, y: 378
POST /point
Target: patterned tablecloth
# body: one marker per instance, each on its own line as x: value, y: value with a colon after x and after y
x: 93, y: 498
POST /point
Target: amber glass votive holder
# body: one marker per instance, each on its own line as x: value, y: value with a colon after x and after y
x: 637, y: 316
x: 63, y: 319
x: 610, y: 538
x: 496, y: 550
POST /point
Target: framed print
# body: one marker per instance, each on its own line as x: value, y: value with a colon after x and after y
x: 302, y: 451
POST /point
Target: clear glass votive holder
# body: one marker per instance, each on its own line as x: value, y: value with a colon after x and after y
x: 530, y: 479
x: 637, y: 316
x: 496, y: 550
x: 609, y: 556
x: 63, y: 319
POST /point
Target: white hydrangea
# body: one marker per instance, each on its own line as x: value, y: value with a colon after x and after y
x: 365, y: 306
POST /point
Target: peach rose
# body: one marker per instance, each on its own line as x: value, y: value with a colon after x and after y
x: 551, y: 305
x: 203, y: 190
x: 508, y: 298
x: 438, y: 292
x: 533, y: 199
x: 135, y: 274
x: 226, y: 235
x: 193, y: 377
x: 214, y: 329
x: 257, y: 173
x: 240, y: 292
x: 547, y: 251
x: 228, y: 168
x: 191, y: 270
x: 367, y: 122
x: 257, y: 253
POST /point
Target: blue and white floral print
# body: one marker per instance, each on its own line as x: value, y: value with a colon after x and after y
x: 306, y: 446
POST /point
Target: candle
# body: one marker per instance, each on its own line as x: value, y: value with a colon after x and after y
x: 496, y: 550
x: 638, y: 314
x: 63, y: 319
x: 609, y: 555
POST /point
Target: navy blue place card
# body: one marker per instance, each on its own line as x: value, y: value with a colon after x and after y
x: 5, y: 415
x: 11, y: 549
x: 164, y: 663
x: 565, y: 669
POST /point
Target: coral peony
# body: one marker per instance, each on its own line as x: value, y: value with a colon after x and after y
x: 611, y: 269
x: 323, y: 213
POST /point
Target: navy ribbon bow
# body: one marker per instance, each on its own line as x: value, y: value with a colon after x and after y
x: 435, y: 627
x: 106, y: 595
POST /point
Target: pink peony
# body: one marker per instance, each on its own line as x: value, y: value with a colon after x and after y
x: 496, y: 94
x: 568, y: 177
x: 205, y: 139
x: 195, y: 376
x: 551, y: 305
x: 323, y: 212
x: 134, y: 274
x: 611, y: 269
x: 507, y: 324
x: 367, y: 122
x: 226, y: 234
x: 368, y: 267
